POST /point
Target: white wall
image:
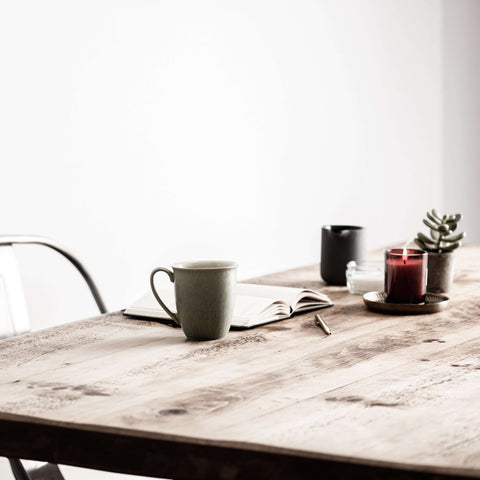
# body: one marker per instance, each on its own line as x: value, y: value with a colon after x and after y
x: 141, y: 133
x: 461, y: 137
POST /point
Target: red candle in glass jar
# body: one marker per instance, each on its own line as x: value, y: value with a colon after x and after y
x: 405, y: 275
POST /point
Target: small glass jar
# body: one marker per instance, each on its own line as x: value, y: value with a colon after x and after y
x: 363, y: 277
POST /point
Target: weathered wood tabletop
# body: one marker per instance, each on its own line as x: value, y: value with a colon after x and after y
x: 383, y: 397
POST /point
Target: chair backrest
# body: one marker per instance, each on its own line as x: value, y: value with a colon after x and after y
x: 14, y: 318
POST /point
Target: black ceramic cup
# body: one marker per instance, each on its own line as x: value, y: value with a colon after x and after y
x: 340, y: 244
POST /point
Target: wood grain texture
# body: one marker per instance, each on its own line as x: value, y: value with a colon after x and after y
x: 383, y: 397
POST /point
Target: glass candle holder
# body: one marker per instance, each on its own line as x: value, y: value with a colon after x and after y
x: 405, y: 275
x: 363, y: 277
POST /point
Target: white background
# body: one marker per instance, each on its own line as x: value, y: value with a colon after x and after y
x: 142, y: 133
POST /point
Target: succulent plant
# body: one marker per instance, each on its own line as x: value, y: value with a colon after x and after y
x: 441, y: 237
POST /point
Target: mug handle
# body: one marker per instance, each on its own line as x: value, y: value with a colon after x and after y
x: 159, y: 300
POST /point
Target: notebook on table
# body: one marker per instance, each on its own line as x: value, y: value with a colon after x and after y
x: 254, y: 304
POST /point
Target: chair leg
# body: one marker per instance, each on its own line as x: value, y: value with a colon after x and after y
x: 18, y: 469
x: 49, y: 471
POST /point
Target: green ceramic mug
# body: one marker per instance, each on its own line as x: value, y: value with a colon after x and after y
x: 204, y: 296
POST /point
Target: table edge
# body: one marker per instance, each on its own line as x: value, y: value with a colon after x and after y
x: 91, y: 434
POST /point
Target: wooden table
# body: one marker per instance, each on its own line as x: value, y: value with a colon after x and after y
x: 383, y: 397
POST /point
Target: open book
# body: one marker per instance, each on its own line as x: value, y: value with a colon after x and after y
x: 254, y: 304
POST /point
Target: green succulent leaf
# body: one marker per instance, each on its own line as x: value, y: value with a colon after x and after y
x: 454, y: 238
x: 436, y: 215
x: 422, y: 245
x: 431, y: 226
x: 426, y: 240
x: 454, y: 218
x: 443, y: 229
x: 451, y: 247
x: 453, y: 223
x: 433, y: 219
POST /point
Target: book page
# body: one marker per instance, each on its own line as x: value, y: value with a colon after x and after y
x: 251, y: 311
x: 254, y: 304
x: 309, y: 299
x: 149, y: 307
x: 246, y: 310
x: 287, y: 295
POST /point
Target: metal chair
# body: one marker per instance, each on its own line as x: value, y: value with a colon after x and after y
x: 14, y: 320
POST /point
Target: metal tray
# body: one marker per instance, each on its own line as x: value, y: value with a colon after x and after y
x: 434, y: 302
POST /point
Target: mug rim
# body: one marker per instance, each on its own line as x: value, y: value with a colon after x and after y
x: 331, y: 226
x: 205, y: 265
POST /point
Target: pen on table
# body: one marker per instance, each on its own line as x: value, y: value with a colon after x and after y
x: 321, y: 323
